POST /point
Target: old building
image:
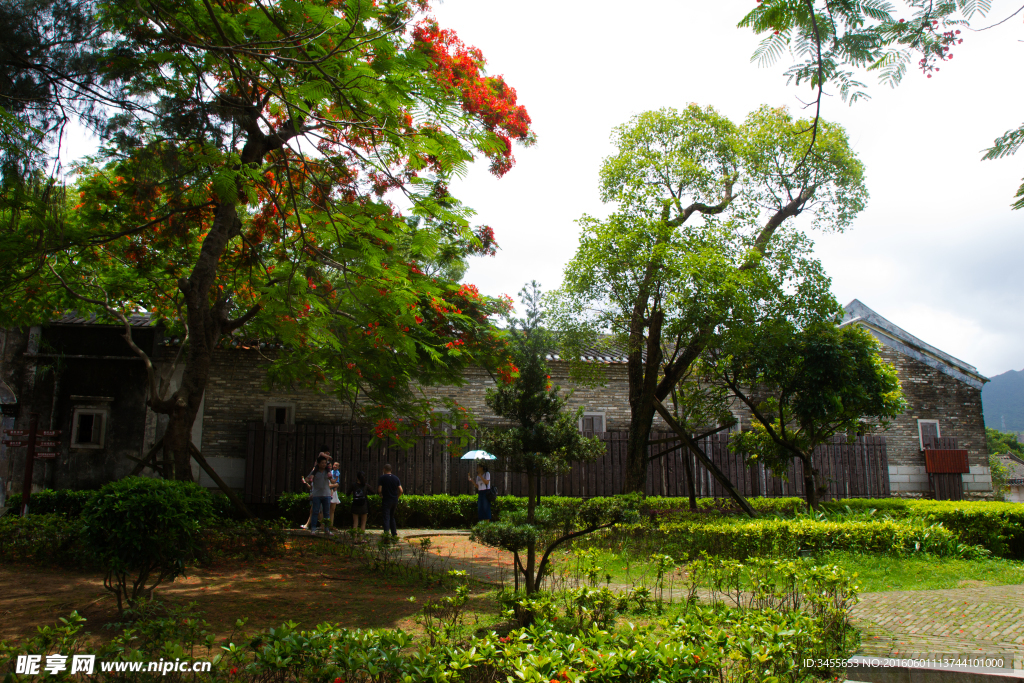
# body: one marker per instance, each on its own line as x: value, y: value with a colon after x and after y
x: 82, y: 378
x: 944, y: 397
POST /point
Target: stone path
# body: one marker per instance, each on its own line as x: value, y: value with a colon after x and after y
x: 982, y: 620
x: 976, y: 620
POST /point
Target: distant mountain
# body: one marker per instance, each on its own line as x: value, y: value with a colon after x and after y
x: 1002, y: 401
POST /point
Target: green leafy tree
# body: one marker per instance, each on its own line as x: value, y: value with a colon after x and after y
x: 143, y: 532
x: 246, y: 188
x: 999, y: 442
x: 838, y: 43
x: 701, y: 236
x: 803, y: 387
x: 543, y: 440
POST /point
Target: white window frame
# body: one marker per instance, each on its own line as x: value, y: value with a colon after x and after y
x: 920, y: 436
x: 602, y: 415
x: 274, y: 405
x: 103, y: 414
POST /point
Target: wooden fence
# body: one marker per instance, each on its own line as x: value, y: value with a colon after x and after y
x: 279, y: 455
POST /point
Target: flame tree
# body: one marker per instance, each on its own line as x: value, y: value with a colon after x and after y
x: 272, y: 170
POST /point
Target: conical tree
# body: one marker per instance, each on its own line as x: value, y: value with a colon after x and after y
x: 542, y: 440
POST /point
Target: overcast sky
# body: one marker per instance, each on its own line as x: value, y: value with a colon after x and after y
x: 937, y: 251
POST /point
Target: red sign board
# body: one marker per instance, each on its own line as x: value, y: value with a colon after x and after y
x: 45, y: 456
x: 16, y: 432
x: 48, y: 432
x: 45, y: 444
x: 15, y: 444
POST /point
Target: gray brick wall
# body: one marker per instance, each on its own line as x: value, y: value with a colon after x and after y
x: 238, y: 392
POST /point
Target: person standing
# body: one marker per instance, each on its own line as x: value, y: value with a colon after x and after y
x: 360, y: 503
x: 335, y: 484
x: 320, y: 491
x: 483, y: 486
x: 390, y: 490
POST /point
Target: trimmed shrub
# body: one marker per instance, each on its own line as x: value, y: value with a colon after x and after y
x: 787, y: 537
x: 43, y: 539
x: 998, y: 527
x: 143, y: 531
x: 62, y: 501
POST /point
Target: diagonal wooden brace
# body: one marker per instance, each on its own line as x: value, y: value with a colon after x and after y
x: 704, y: 459
x: 232, y: 496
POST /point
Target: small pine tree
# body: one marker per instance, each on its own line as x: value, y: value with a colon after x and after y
x: 543, y: 440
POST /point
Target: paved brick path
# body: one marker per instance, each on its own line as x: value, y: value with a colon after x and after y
x: 978, y: 620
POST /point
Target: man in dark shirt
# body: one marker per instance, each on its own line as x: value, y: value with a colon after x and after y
x: 390, y: 490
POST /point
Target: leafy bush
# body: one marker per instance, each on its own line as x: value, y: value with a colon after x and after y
x: 43, y: 539
x: 143, y: 531
x: 997, y: 527
x: 776, y: 537
x: 709, y: 644
x: 67, y: 502
x: 414, y: 512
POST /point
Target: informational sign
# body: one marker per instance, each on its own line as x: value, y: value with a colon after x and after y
x: 45, y: 456
x: 48, y: 432
x: 47, y: 444
x: 15, y: 444
x: 16, y: 432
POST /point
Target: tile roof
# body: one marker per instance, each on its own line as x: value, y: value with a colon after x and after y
x: 1014, y: 469
x: 856, y: 313
x: 74, y: 318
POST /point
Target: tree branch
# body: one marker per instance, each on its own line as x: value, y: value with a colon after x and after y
x: 150, y: 372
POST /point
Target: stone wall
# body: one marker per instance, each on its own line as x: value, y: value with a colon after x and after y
x: 934, y: 395
x: 238, y: 393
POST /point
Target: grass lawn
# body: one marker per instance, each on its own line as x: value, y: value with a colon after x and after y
x: 877, y: 573
x: 303, y: 585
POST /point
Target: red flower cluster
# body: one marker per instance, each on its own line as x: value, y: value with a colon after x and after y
x: 488, y: 245
x: 461, y: 68
x: 507, y: 373
x: 385, y: 427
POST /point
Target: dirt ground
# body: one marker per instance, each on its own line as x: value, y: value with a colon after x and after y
x: 299, y: 586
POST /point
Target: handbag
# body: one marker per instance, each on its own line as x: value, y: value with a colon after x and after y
x: 492, y: 495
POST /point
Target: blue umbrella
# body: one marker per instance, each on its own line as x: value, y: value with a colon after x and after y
x: 478, y: 455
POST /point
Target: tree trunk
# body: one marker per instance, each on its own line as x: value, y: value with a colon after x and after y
x: 691, y: 486
x: 531, y: 518
x: 636, y: 449
x: 810, y: 486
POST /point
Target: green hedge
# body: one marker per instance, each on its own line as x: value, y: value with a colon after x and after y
x: 999, y: 527
x: 776, y: 537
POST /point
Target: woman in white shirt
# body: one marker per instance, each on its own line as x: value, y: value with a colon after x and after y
x: 483, y: 484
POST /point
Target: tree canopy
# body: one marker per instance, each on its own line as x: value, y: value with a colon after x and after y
x: 803, y: 387
x: 838, y: 43
x: 276, y: 172
x: 701, y: 235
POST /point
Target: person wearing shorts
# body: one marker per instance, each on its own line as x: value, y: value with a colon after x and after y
x: 335, y: 483
x: 360, y: 503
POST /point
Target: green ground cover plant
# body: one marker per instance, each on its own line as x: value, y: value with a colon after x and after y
x: 804, y: 612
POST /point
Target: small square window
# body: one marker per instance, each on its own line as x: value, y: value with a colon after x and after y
x: 88, y: 428
x: 592, y: 423
x: 928, y: 432
x: 279, y: 413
